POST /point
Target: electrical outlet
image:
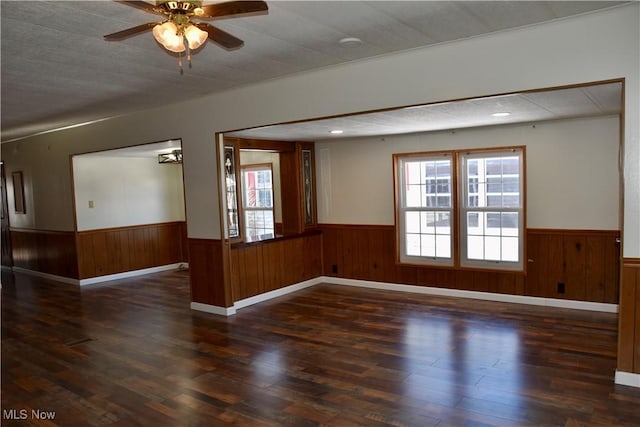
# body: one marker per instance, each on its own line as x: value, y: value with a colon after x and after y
x: 90, y: 204
x: 561, y: 287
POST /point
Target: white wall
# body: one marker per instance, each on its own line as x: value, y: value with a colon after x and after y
x: 126, y: 191
x: 593, y: 47
x: 572, y: 172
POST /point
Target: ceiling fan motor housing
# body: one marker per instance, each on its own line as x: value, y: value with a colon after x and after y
x: 184, y: 6
x: 179, y: 12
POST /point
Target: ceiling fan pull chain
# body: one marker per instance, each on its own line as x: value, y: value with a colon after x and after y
x: 188, y: 54
x: 180, y: 62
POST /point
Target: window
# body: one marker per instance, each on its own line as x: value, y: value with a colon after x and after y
x: 426, y: 209
x: 491, y: 209
x: 461, y: 208
x: 257, y: 202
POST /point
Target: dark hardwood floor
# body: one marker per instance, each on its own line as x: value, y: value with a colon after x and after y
x: 132, y: 353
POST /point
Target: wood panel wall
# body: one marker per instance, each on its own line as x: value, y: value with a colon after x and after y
x: 50, y: 252
x: 117, y: 250
x: 206, y: 273
x: 367, y: 252
x: 629, y: 317
x: 265, y: 266
x: 587, y: 262
x: 291, y: 200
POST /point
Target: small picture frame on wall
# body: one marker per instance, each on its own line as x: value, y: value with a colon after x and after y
x: 18, y: 193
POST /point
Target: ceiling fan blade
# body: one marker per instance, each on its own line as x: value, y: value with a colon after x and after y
x: 223, y: 38
x: 233, y: 8
x: 142, y: 5
x: 130, y: 32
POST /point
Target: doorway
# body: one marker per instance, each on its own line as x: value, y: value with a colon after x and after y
x: 129, y: 204
x: 7, y: 250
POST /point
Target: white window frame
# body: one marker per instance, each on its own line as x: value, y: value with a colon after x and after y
x: 501, y: 247
x: 403, y: 208
x: 459, y: 210
x: 247, y: 209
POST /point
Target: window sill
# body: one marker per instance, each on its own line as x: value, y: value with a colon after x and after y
x: 522, y: 272
x: 278, y: 238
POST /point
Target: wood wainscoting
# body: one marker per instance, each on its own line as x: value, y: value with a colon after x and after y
x: 49, y: 252
x: 629, y: 317
x: 586, y: 262
x: 206, y: 273
x: 117, y: 250
x: 367, y: 252
x: 265, y: 266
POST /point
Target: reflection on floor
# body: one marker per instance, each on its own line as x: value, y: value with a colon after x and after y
x: 132, y: 353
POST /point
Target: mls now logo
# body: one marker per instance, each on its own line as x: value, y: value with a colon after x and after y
x: 23, y: 414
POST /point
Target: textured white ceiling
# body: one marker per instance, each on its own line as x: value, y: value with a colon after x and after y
x: 584, y: 101
x: 58, y: 71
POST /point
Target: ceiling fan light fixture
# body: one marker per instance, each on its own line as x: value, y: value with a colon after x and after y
x: 174, y: 156
x: 167, y: 35
x: 195, y: 36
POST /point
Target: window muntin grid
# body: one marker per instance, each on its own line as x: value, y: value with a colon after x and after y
x: 257, y: 198
x: 460, y: 208
x: 491, y: 210
x: 426, y: 209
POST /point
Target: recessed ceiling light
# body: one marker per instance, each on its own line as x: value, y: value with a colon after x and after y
x: 350, y: 42
x: 501, y: 114
x: 336, y: 132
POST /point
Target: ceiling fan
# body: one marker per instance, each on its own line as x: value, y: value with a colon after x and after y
x: 178, y: 32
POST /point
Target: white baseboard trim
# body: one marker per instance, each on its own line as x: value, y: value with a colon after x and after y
x: 246, y: 302
x: 100, y: 279
x: 133, y: 273
x: 67, y: 280
x: 488, y: 296
x: 627, y: 378
x: 276, y: 293
x: 213, y: 309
